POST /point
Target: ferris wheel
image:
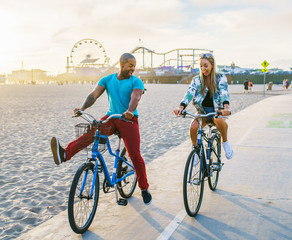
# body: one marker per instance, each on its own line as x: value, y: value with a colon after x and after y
x: 89, y: 53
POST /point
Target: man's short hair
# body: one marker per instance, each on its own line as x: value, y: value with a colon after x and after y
x: 124, y: 58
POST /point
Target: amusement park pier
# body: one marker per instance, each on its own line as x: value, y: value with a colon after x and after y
x: 88, y: 61
x: 88, y: 58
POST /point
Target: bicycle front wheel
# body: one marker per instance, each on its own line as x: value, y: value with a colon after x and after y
x: 82, y: 204
x: 126, y: 187
x: 215, y: 163
x: 193, y: 184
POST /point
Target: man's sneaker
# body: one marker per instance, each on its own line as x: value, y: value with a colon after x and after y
x: 147, y: 198
x: 58, y: 151
x: 228, y: 150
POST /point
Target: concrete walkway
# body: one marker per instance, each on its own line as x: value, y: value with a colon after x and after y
x: 253, y: 199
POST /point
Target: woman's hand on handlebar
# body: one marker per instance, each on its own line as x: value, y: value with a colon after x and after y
x: 178, y: 110
x: 225, y: 112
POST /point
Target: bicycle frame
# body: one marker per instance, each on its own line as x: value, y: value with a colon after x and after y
x: 97, y: 155
x: 209, y: 138
x: 204, y: 158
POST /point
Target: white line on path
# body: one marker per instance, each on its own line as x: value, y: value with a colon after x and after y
x: 169, y: 230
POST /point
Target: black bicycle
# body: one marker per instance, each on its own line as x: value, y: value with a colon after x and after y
x: 204, y: 162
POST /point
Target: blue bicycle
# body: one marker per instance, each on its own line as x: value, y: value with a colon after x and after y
x: 84, y: 192
x: 204, y: 161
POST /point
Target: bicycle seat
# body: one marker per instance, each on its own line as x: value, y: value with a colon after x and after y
x: 210, y: 123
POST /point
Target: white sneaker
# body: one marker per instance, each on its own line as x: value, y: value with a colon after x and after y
x: 228, y: 150
x: 196, y: 160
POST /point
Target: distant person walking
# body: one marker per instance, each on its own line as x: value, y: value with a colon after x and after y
x: 245, y: 86
x: 124, y: 92
x: 209, y: 93
x: 250, y: 85
x: 286, y: 84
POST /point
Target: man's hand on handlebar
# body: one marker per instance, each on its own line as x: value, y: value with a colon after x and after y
x: 76, y: 111
x: 128, y: 115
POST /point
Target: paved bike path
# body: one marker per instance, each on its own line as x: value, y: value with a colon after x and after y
x: 253, y: 199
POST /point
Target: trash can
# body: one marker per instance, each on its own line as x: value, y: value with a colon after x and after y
x: 269, y: 87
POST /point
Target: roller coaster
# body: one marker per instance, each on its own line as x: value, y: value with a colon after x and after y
x: 88, y: 55
x: 182, y: 58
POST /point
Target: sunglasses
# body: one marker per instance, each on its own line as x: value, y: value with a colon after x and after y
x: 205, y: 55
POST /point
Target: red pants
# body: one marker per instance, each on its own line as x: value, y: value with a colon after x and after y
x: 131, y: 136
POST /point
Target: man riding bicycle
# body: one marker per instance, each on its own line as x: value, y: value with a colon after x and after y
x: 124, y: 92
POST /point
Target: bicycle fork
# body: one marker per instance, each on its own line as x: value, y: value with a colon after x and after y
x: 204, y: 158
x: 208, y: 151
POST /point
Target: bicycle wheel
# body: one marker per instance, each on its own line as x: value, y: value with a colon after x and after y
x: 193, y: 184
x: 126, y: 187
x: 215, y: 163
x: 82, y: 205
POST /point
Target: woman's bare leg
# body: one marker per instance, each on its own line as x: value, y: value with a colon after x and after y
x: 222, y: 127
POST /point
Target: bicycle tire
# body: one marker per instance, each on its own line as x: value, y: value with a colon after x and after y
x: 126, y: 187
x: 214, y: 163
x: 81, y: 209
x: 193, y: 199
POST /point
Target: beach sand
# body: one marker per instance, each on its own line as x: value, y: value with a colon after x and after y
x: 32, y: 188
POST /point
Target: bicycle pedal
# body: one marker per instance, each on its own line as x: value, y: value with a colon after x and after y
x: 122, y: 202
x: 220, y: 167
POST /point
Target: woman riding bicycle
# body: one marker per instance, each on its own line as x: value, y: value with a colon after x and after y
x: 209, y: 92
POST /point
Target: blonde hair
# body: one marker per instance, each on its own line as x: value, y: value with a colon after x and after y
x: 213, y: 86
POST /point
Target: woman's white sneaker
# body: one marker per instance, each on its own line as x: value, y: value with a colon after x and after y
x: 196, y: 160
x: 228, y: 150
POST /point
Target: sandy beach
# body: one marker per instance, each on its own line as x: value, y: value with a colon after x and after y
x: 33, y: 188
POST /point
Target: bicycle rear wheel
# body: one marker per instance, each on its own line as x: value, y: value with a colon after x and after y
x: 193, y: 184
x: 82, y: 205
x: 215, y: 163
x: 126, y: 187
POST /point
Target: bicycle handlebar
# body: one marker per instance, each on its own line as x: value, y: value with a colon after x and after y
x: 87, y: 116
x: 92, y: 120
x: 184, y: 113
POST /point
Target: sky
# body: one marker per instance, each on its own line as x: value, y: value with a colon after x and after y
x: 40, y: 34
